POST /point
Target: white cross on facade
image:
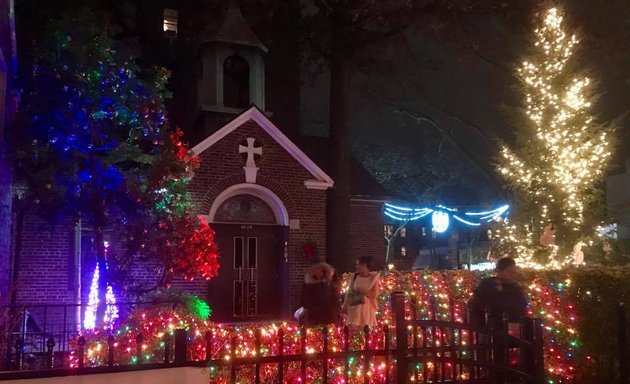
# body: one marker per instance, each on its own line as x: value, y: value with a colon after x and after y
x: 250, y: 165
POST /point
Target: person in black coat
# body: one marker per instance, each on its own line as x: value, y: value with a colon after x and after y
x: 499, y: 295
x: 320, y: 296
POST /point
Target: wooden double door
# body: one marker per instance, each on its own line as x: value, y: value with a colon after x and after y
x: 249, y: 284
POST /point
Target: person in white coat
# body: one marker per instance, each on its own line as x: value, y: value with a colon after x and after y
x: 360, y: 300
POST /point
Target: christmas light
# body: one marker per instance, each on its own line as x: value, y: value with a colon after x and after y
x: 440, y: 295
x: 441, y: 215
x: 440, y: 221
x: 111, y: 310
x: 556, y: 169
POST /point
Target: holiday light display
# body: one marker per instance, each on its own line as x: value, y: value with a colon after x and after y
x: 111, y: 311
x: 97, y: 147
x: 435, y: 294
x: 561, y: 156
x: 440, y: 215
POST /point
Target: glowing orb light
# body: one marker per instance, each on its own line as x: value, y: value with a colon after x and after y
x: 440, y: 221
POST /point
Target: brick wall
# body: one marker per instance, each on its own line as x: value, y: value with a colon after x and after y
x: 222, y: 167
x: 366, y: 220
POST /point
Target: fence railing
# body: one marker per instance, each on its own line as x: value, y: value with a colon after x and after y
x: 38, y: 329
x: 413, y: 350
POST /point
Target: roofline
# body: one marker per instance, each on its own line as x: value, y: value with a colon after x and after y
x: 254, y: 113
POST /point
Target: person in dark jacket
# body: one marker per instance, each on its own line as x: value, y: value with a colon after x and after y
x: 320, y: 297
x: 499, y: 295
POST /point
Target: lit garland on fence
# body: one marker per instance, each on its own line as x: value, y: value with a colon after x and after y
x: 439, y: 295
x: 440, y: 215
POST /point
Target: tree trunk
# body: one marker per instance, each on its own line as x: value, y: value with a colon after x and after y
x: 338, y: 209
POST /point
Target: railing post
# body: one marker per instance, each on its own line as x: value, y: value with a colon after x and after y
x: 281, y: 353
x: 209, y: 337
x: 398, y: 307
x: 366, y: 354
x: 622, y: 344
x: 50, y: 345
x: 539, y: 352
x: 257, y: 346
x: 139, y: 340
x: 180, y: 346
x: 325, y: 351
x: 232, y: 362
x: 303, y: 352
x: 346, y: 349
x: 81, y: 351
x: 110, y: 350
x: 386, y: 348
x: 167, y: 348
x: 19, y: 349
x: 528, y: 356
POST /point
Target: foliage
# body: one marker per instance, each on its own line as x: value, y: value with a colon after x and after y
x: 561, y: 155
x: 94, y: 144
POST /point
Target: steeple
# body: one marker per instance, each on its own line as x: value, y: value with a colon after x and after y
x: 231, y: 71
x: 235, y: 30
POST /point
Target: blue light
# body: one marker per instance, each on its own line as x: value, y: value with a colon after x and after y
x: 465, y: 221
x: 441, y: 215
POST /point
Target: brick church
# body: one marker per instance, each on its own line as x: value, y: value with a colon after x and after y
x: 262, y: 188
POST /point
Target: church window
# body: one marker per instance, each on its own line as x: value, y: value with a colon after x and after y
x: 388, y: 229
x: 238, y: 252
x: 252, y: 252
x: 424, y: 231
x: 403, y: 232
x: 245, y: 209
x: 235, y: 82
x: 403, y: 251
x: 170, y: 21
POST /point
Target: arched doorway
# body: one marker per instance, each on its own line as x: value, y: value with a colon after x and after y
x: 250, y: 226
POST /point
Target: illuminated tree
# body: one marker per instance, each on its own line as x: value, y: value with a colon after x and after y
x: 95, y: 146
x: 561, y: 156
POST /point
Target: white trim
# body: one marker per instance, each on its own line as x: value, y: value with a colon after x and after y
x: 317, y: 184
x: 259, y: 117
x: 265, y: 194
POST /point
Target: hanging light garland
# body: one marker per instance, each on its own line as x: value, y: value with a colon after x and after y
x: 441, y: 215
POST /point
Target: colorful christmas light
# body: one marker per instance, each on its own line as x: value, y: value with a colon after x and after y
x: 434, y: 294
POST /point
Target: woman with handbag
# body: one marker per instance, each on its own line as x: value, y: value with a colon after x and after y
x: 360, y: 299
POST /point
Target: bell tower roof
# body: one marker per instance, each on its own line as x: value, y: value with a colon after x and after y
x: 235, y: 30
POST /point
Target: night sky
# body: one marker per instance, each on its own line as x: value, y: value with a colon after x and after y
x: 473, y: 95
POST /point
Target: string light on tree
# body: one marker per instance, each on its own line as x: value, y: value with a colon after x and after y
x: 561, y: 156
x: 111, y: 310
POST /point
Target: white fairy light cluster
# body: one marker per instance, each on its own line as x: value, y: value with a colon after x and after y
x: 557, y: 168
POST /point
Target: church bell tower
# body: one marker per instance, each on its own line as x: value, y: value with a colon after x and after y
x: 231, y: 65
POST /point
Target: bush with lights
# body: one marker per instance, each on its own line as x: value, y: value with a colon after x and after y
x: 578, y: 308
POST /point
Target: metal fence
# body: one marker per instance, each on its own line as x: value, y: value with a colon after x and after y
x: 413, y: 350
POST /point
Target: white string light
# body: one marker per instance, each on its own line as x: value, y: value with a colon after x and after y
x: 557, y: 169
